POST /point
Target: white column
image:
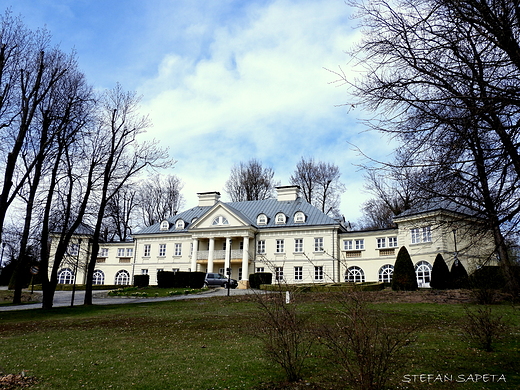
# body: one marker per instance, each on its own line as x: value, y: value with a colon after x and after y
x: 210, y: 253
x: 194, y: 255
x: 227, y: 261
x: 245, y: 259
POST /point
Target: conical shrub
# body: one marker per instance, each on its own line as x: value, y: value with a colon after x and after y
x: 404, y: 277
x: 459, y: 275
x: 440, y: 274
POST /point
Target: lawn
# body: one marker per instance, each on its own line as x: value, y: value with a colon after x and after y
x: 210, y: 343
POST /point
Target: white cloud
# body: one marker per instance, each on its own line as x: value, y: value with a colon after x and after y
x: 259, y: 91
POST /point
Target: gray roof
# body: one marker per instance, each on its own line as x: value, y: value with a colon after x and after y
x: 437, y: 204
x: 249, y: 211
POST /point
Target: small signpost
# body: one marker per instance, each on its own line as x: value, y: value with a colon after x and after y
x: 34, y: 271
x: 228, y: 271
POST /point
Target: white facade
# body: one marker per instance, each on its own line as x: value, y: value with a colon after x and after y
x: 289, y: 238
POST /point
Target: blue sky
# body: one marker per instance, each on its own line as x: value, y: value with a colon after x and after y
x: 224, y: 81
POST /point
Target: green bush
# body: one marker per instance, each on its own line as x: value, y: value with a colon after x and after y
x: 404, y: 278
x: 255, y: 280
x: 459, y: 275
x: 168, y: 279
x: 141, y: 280
x: 441, y: 279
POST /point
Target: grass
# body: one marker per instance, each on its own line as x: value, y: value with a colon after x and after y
x: 210, y: 343
x: 153, y: 292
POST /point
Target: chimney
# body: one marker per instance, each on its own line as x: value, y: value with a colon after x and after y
x: 208, y: 198
x: 287, y: 193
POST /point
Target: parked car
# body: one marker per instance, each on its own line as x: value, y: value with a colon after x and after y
x: 219, y: 280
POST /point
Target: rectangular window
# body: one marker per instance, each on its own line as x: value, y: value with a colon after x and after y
x: 144, y: 272
x: 426, y: 234
x: 120, y: 252
x: 241, y: 245
x: 347, y: 245
x: 298, y: 245
x: 360, y: 244
x: 240, y: 274
x: 298, y: 273
x: 318, y: 273
x: 129, y: 252
x: 381, y: 242
x: 146, y: 250
x: 392, y: 242
x: 162, y: 250
x: 318, y: 244
x: 416, y: 238
x: 280, y: 246
x: 103, y: 252
x: 178, y: 249
x: 260, y: 269
x: 419, y: 235
x: 260, y: 247
x: 278, y: 273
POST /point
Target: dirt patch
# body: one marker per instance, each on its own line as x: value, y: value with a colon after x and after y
x: 16, y: 381
x: 422, y: 296
x: 6, y: 296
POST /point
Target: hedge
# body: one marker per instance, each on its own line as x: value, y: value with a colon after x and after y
x: 141, y: 280
x: 169, y: 279
x: 259, y: 278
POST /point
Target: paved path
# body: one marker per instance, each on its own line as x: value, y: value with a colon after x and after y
x: 63, y: 298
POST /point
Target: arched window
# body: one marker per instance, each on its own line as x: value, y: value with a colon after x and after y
x: 220, y: 220
x: 354, y: 275
x: 261, y: 219
x: 165, y: 225
x: 98, y: 277
x: 179, y: 224
x: 299, y: 217
x: 280, y: 218
x: 423, y: 270
x: 122, y: 278
x: 385, y: 273
x: 65, y: 276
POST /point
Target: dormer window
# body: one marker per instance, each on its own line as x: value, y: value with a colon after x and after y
x: 280, y: 218
x: 261, y: 219
x: 179, y: 224
x: 299, y: 217
x: 165, y: 225
x: 220, y: 220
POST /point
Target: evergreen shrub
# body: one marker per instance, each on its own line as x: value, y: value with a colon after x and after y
x: 141, y: 280
x: 440, y: 274
x: 255, y: 280
x: 168, y: 279
x: 404, y: 277
x: 459, y: 275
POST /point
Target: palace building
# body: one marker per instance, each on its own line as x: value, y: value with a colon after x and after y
x: 286, y: 236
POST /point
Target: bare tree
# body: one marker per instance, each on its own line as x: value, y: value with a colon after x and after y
x: 120, y: 212
x: 450, y: 90
x: 29, y: 68
x: 250, y: 181
x: 35, y: 107
x: 160, y: 198
x: 320, y: 185
x: 118, y: 126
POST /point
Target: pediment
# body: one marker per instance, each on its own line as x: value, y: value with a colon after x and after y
x: 220, y: 216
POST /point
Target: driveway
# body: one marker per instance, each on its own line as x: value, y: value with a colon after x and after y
x: 63, y: 298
